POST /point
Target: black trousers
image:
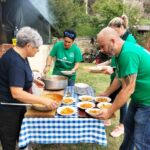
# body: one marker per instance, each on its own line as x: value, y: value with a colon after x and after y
x: 10, y: 123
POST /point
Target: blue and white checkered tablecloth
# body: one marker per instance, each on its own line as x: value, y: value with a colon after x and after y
x: 63, y: 129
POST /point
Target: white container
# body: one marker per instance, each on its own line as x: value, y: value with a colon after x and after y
x: 36, y: 90
x: 81, y: 88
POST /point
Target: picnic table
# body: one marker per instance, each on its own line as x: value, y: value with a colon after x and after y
x: 63, y: 129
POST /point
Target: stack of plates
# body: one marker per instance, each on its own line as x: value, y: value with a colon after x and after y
x: 81, y: 88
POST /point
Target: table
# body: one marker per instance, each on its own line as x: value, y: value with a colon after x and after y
x: 66, y: 130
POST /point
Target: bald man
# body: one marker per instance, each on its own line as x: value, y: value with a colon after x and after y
x: 132, y: 63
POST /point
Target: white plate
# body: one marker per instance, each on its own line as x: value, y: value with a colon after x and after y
x: 67, y: 72
x: 62, y: 110
x: 81, y: 88
x: 85, y: 98
x: 104, y: 105
x: 93, y: 111
x: 81, y: 85
x: 85, y: 105
x: 68, y: 100
x: 102, y: 99
x: 98, y: 69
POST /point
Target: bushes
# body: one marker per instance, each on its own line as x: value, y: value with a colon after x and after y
x: 86, y: 29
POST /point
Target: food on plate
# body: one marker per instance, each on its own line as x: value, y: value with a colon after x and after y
x: 85, y: 105
x: 85, y: 98
x: 66, y: 110
x: 93, y: 111
x: 104, y: 105
x: 54, y: 96
x: 98, y: 69
x: 68, y: 100
x: 102, y: 99
x: 40, y: 107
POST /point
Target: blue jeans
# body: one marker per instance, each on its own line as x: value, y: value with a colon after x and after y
x: 137, y: 128
x: 71, y: 82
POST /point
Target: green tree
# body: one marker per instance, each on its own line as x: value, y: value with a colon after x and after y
x: 147, y: 6
x: 68, y: 13
x: 107, y: 10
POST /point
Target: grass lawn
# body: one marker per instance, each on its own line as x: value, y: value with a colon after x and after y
x: 99, y: 82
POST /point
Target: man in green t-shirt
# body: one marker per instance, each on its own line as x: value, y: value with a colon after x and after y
x: 67, y: 56
x: 132, y: 63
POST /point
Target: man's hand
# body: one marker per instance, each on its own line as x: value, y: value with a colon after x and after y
x: 104, y: 114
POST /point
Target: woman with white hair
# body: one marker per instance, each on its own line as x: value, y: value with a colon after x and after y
x: 15, y: 84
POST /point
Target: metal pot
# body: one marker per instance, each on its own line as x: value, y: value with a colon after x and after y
x: 55, y: 82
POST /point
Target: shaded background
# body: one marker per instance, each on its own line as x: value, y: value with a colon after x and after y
x: 19, y: 13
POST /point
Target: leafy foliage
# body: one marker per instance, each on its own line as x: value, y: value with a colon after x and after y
x: 106, y: 12
x: 67, y: 12
x: 71, y: 14
x: 147, y: 6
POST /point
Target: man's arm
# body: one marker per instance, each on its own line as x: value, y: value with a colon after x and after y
x: 128, y: 86
x: 113, y: 87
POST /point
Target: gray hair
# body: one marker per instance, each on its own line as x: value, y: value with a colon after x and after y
x: 28, y: 35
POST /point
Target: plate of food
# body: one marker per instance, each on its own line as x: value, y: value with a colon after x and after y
x: 93, y: 111
x: 52, y: 96
x: 40, y: 107
x: 67, y: 72
x: 98, y: 69
x: 85, y: 98
x: 102, y: 99
x: 66, y: 110
x: 68, y: 100
x: 104, y: 105
x: 85, y: 105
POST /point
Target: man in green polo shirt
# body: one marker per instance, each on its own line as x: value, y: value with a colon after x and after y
x: 132, y: 63
x: 67, y: 56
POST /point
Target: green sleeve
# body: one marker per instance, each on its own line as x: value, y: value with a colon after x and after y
x: 131, y: 38
x: 53, y: 51
x: 128, y: 65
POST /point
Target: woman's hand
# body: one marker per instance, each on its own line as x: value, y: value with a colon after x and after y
x: 39, y: 83
x: 51, y: 104
x: 46, y: 69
